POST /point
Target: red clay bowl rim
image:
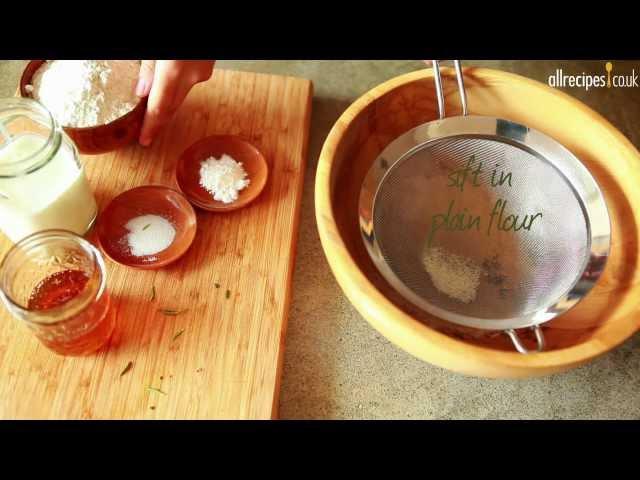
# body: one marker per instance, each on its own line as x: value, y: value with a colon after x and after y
x: 149, y: 265
x: 141, y: 104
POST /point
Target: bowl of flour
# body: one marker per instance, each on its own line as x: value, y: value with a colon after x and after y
x: 93, y: 100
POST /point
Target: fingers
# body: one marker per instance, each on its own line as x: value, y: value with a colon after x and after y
x: 145, y: 78
x: 171, y: 82
x: 206, y: 69
x: 165, y: 98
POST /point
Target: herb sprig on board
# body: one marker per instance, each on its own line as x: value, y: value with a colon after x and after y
x: 177, y: 335
x: 157, y: 390
x: 127, y: 368
x: 172, y: 312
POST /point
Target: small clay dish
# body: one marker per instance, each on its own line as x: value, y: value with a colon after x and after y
x: 147, y: 200
x: 101, y: 138
x: 188, y: 171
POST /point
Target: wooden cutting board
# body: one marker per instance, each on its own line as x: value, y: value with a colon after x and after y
x: 227, y: 362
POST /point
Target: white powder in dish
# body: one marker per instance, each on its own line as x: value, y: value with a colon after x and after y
x: 455, y: 276
x: 223, y: 178
x: 149, y: 234
x: 86, y: 93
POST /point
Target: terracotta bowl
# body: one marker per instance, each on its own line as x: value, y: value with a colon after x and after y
x: 102, y: 138
x: 188, y: 171
x: 146, y: 200
x: 604, y: 319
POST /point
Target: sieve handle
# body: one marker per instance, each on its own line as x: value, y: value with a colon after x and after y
x: 518, y: 344
x: 440, y: 92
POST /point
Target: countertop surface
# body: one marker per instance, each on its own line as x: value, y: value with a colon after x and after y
x: 338, y: 367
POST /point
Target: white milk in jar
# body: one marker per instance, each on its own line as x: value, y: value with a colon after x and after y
x: 42, y: 184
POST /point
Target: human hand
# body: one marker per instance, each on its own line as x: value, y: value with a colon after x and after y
x: 167, y: 83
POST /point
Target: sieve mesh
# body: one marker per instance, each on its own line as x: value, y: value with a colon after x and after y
x: 521, y: 271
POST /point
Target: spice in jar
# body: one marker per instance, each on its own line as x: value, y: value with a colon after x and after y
x: 57, y: 289
x: 55, y: 282
x: 60, y: 289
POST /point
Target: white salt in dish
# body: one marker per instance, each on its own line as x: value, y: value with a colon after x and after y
x: 149, y: 235
x: 147, y: 227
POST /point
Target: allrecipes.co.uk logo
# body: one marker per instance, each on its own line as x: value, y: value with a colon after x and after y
x: 560, y: 80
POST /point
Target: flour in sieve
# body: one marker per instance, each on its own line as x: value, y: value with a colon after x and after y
x: 456, y: 276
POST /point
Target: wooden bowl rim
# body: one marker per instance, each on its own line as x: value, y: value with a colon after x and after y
x: 25, y: 80
x: 399, y: 327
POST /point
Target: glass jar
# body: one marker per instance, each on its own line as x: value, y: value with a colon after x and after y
x: 55, y: 282
x: 42, y: 183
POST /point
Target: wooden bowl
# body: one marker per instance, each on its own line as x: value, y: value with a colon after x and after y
x: 146, y: 200
x: 604, y: 319
x: 188, y: 171
x: 101, y: 138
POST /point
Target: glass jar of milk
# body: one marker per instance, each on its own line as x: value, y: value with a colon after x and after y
x: 42, y: 184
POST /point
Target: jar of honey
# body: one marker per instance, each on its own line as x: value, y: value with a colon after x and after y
x: 55, y: 282
x: 42, y: 182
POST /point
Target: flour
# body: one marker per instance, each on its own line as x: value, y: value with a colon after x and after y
x: 86, y: 93
x: 223, y: 178
x: 455, y: 276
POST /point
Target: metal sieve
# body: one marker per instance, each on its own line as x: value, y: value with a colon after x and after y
x: 484, y: 222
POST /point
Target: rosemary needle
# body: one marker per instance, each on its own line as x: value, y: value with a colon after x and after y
x: 127, y: 368
x: 153, y: 389
x: 178, y: 334
x: 170, y: 312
